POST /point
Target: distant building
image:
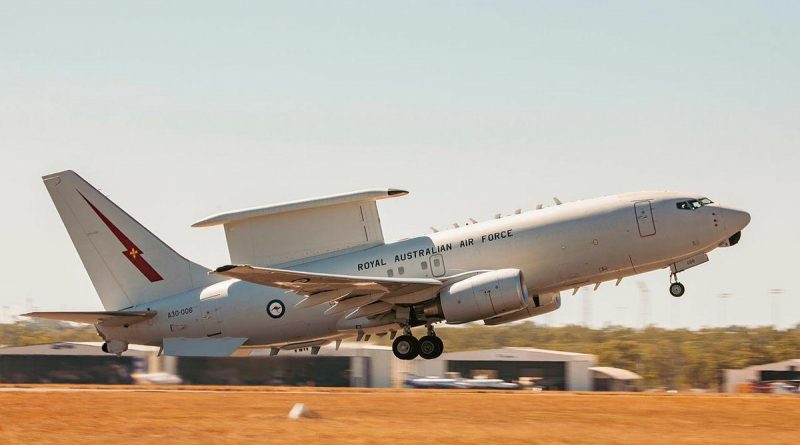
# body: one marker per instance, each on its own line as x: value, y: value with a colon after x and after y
x: 614, y: 379
x: 74, y: 362
x: 353, y: 364
x: 553, y: 370
x: 740, y: 380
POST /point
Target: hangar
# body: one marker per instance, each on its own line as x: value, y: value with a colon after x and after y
x: 353, y: 364
x: 740, y: 380
x: 74, y: 362
x: 606, y: 378
x: 552, y: 370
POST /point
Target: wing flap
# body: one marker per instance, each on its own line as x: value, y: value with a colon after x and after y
x: 106, y: 318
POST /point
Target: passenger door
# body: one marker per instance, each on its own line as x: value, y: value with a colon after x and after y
x: 644, y: 218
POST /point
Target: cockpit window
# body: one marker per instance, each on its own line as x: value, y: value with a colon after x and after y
x: 694, y: 203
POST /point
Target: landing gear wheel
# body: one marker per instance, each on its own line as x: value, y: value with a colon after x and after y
x: 676, y: 289
x: 430, y: 346
x: 405, y: 347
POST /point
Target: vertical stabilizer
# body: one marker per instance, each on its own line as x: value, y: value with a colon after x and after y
x: 127, y: 264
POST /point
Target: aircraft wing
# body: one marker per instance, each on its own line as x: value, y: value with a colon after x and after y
x: 106, y: 318
x: 349, y: 292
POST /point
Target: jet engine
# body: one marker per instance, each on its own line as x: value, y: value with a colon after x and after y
x: 537, y: 305
x: 487, y: 295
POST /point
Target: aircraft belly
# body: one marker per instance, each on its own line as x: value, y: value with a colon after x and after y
x: 268, y: 315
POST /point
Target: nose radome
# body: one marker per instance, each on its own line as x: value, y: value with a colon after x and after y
x: 736, y: 219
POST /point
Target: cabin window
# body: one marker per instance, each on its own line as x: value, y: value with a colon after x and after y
x: 424, y: 265
x: 390, y: 273
x: 436, y: 262
x: 401, y: 270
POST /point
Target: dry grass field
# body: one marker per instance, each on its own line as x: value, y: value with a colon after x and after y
x: 259, y: 415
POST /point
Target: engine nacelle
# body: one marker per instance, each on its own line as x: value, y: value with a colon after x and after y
x: 487, y: 295
x: 115, y: 347
x: 538, y: 305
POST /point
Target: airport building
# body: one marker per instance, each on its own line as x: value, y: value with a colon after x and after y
x: 605, y: 378
x: 74, y: 362
x: 353, y: 364
x: 741, y: 380
x: 551, y: 370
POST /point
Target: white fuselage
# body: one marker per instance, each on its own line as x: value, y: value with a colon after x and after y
x: 556, y: 248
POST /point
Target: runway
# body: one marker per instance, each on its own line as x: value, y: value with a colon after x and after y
x: 237, y: 415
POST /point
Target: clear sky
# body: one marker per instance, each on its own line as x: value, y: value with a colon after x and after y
x: 182, y: 109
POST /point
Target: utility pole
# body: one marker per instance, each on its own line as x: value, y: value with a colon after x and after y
x: 723, y: 322
x: 587, y: 307
x: 675, y: 314
x: 775, y: 293
x: 644, y: 291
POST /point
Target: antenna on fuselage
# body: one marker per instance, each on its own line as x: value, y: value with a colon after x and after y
x: 557, y: 201
x: 434, y: 229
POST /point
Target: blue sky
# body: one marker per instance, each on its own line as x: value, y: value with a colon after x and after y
x: 183, y: 109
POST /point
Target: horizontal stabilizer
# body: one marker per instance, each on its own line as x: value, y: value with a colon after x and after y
x: 202, y: 347
x: 106, y: 318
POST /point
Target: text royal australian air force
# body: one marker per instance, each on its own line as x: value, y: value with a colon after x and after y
x: 428, y: 251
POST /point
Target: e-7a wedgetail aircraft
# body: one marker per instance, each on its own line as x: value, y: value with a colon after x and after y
x: 311, y: 272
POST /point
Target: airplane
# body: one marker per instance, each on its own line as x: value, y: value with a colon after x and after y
x: 307, y: 273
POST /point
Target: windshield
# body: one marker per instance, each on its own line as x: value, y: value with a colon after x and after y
x: 693, y: 204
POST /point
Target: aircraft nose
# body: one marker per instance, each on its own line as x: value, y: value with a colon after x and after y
x: 735, y: 219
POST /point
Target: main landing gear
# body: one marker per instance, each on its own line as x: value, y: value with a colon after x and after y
x: 407, y: 347
x: 676, y: 289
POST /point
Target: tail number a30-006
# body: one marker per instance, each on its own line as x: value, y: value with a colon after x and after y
x: 179, y: 312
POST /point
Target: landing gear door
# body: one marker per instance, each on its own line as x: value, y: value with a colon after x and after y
x: 211, y: 315
x: 437, y: 265
x: 644, y: 218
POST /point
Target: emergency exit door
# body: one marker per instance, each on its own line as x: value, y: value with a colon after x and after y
x: 437, y: 265
x: 644, y: 218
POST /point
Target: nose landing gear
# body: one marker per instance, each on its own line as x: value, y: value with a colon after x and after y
x: 676, y: 289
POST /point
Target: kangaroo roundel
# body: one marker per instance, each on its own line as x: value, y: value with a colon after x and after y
x: 276, y: 308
